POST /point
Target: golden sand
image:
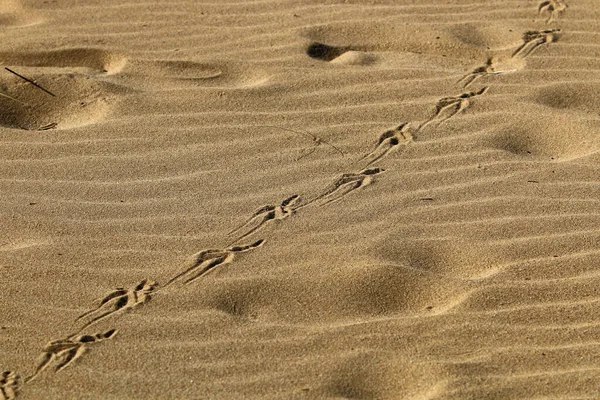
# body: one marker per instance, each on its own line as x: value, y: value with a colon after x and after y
x: 299, y: 199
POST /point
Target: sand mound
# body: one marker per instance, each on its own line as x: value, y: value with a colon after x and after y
x: 175, y: 74
x: 471, y: 39
x: 69, y: 100
x: 84, y: 60
x: 556, y: 138
x: 376, y: 376
x: 488, y: 36
x: 187, y: 70
x: 575, y: 96
x: 374, y: 291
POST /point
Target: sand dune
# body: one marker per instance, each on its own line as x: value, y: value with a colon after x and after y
x: 391, y: 199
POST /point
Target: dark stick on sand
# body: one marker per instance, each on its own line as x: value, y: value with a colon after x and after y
x: 30, y: 81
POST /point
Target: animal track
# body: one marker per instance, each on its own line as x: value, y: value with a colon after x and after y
x: 346, y: 184
x: 553, y: 7
x: 119, y: 300
x: 491, y: 67
x: 207, y: 260
x: 267, y: 213
x: 533, y: 39
x: 452, y: 106
x: 10, y: 384
x: 388, y: 141
x: 63, y: 352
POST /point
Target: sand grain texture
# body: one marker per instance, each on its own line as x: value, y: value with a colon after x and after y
x: 391, y: 199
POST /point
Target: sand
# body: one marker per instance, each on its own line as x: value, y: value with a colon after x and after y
x: 299, y: 199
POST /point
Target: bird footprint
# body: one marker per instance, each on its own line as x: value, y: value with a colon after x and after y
x: 490, y: 67
x: 61, y: 353
x: 448, y: 107
x: 533, y: 39
x: 388, y: 141
x: 119, y: 300
x: 265, y: 214
x: 207, y: 260
x: 10, y: 384
x: 346, y: 184
x: 553, y: 7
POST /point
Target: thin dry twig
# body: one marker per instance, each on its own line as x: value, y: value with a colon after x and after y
x: 316, y: 140
x: 30, y: 81
x: 12, y: 98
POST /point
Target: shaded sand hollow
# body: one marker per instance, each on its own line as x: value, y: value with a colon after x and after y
x: 300, y: 199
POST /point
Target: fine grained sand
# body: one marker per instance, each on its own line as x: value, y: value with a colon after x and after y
x: 462, y: 264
